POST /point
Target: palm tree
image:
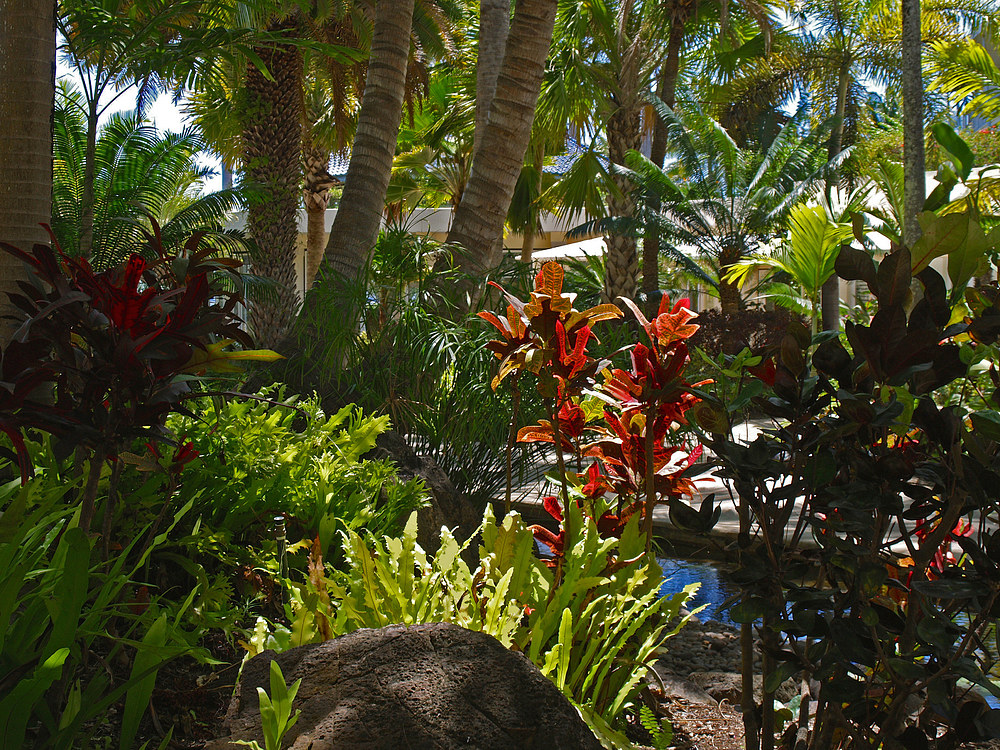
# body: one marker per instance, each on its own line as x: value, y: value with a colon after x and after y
x: 841, y: 49
x: 806, y: 256
x: 138, y: 175
x: 479, y: 218
x: 356, y: 226
x: 724, y: 201
x: 114, y: 44
x: 27, y: 61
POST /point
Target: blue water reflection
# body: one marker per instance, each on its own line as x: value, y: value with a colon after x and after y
x: 716, y: 591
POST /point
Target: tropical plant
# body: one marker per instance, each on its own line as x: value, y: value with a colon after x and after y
x: 116, y: 349
x: 806, y: 256
x: 276, y: 716
x: 720, y: 200
x: 266, y: 455
x: 594, y: 633
x: 138, y: 175
x: 49, y: 692
x: 966, y: 71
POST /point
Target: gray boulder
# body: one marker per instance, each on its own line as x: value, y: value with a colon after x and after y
x: 447, y: 507
x: 434, y: 686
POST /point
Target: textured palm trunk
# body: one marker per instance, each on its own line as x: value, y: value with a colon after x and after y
x: 478, y: 225
x: 622, y: 261
x: 27, y: 69
x: 87, y: 188
x: 914, y: 186
x: 316, y: 194
x: 729, y: 293
x: 494, y: 26
x: 355, y: 230
x: 272, y: 143
x: 831, y: 288
x: 667, y: 91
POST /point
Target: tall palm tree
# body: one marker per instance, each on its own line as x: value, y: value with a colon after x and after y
x: 403, y: 33
x: 479, y: 218
x: 272, y: 153
x: 27, y: 62
x: 356, y: 226
x: 723, y: 201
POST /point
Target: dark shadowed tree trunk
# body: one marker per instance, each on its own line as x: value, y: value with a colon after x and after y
x: 359, y: 215
x: 914, y: 187
x: 494, y: 25
x: 830, y: 293
x: 667, y: 91
x: 27, y: 73
x: 480, y: 216
x: 272, y: 144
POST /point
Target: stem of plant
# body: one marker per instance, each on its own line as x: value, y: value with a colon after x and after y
x: 650, y: 475
x: 90, y: 491
x: 561, y: 467
x: 511, y: 439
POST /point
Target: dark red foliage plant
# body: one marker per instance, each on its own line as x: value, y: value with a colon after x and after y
x: 99, y: 359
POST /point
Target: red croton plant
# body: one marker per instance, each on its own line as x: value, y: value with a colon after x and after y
x: 637, y: 454
x: 100, y: 358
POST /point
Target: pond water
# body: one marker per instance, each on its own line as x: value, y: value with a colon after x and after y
x: 716, y: 591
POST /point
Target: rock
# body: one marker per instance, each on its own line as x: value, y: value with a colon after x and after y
x: 728, y: 686
x: 434, y: 686
x: 448, y: 507
x: 678, y: 687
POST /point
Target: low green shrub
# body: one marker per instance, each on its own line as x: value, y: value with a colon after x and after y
x: 270, y: 455
x: 595, y: 632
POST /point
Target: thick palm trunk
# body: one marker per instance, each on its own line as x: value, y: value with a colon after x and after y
x: 272, y: 142
x: 622, y: 262
x: 479, y: 218
x: 494, y: 26
x: 914, y: 187
x: 355, y: 230
x: 831, y: 288
x: 729, y: 294
x: 316, y: 194
x: 658, y: 151
x: 27, y: 69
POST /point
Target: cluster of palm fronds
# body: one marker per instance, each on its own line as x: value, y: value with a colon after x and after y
x: 139, y: 174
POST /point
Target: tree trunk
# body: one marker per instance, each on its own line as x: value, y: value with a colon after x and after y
x: 359, y: 215
x: 27, y: 70
x: 914, y: 188
x: 479, y: 219
x: 729, y: 293
x: 272, y: 142
x: 658, y: 151
x: 494, y: 26
x: 316, y: 195
x: 87, y: 189
x: 622, y: 262
x: 831, y: 288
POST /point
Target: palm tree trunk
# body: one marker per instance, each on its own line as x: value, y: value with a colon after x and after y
x: 27, y: 69
x: 87, y: 188
x: 914, y: 187
x: 831, y: 288
x: 494, y: 26
x: 272, y: 142
x: 657, y: 153
x: 622, y: 262
x: 479, y: 218
x: 359, y: 216
x: 317, y: 199
x: 729, y: 293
